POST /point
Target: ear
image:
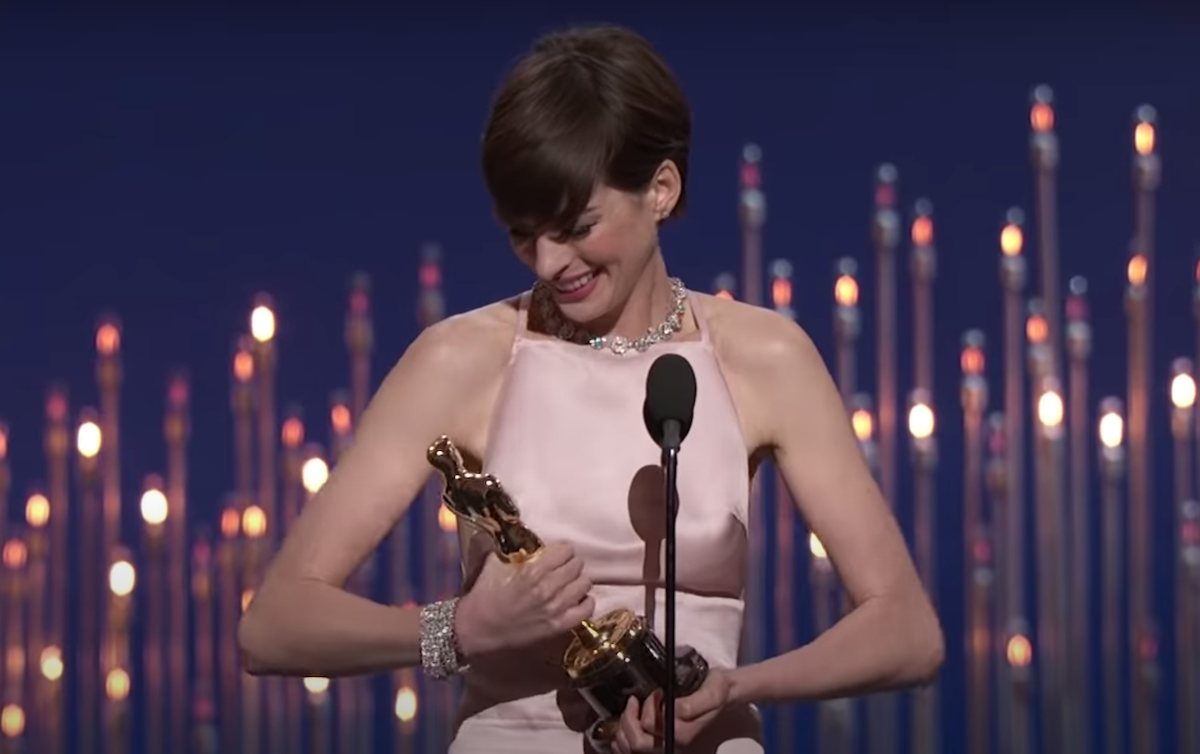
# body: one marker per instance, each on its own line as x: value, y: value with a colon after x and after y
x: 665, y: 189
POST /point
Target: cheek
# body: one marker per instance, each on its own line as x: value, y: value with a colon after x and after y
x: 616, y: 246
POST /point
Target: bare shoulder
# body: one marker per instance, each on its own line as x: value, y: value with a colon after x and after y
x: 755, y: 338
x: 480, y: 335
x: 445, y: 384
x: 766, y: 358
x: 455, y: 366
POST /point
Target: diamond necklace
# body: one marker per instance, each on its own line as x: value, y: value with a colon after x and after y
x: 566, y: 330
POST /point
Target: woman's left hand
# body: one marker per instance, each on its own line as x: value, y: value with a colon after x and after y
x: 641, y: 729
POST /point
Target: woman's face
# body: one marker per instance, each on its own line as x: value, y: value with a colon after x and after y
x: 594, y: 267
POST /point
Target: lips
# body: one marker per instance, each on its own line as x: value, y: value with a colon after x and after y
x: 575, y: 283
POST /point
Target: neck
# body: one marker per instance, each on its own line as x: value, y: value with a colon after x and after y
x: 648, y: 304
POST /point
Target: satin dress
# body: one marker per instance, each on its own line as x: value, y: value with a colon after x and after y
x: 569, y: 444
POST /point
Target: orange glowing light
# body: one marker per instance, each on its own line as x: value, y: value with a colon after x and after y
x: 816, y: 547
x: 247, y: 598
x: 1183, y: 391
x: 972, y: 360
x: 845, y: 291
x: 14, y: 658
x: 108, y: 339
x: 116, y: 684
x: 293, y: 433
x: 316, y: 684
x: 1019, y: 651
x: 406, y: 704
x: 88, y: 439
x: 12, y: 720
x: 177, y: 390
x: 37, y: 510
x: 230, y: 523
x: 1112, y: 429
x: 1012, y: 239
x: 313, y: 474
x: 447, y: 521
x: 1050, y: 409
x: 1041, y: 117
x: 781, y: 292
x: 52, y: 663
x: 56, y: 405
x: 725, y: 294
x: 3, y: 441
x: 922, y: 231
x: 243, y: 366
x: 154, y: 506
x: 863, y: 424
x: 1037, y: 329
x: 254, y: 522
x: 14, y: 554
x: 1136, y: 270
x: 1143, y: 138
x: 921, y: 421
x: 262, y: 323
x: 339, y: 417
x: 122, y: 578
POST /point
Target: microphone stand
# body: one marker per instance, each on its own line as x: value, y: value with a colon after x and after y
x: 670, y: 464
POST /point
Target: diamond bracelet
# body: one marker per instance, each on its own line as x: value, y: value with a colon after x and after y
x: 439, y: 645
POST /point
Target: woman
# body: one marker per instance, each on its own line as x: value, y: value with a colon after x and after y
x: 586, y: 155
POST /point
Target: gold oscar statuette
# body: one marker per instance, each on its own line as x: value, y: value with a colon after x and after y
x: 610, y: 658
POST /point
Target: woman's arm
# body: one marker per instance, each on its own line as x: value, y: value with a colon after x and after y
x: 302, y: 621
x: 892, y: 638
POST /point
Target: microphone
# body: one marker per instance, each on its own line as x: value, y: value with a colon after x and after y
x: 670, y: 400
x: 668, y: 412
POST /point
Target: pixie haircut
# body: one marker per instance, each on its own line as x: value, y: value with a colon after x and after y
x: 585, y: 107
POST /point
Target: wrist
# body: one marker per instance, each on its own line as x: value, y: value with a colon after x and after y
x: 441, y: 655
x: 471, y: 636
x: 746, y: 684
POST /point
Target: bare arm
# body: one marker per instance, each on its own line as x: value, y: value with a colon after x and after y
x: 892, y: 637
x: 302, y: 621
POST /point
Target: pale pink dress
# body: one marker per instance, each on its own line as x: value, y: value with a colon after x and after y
x: 569, y: 444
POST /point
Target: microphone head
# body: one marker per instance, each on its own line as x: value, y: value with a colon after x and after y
x: 670, y: 396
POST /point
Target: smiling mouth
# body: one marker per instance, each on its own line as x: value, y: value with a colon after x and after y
x: 575, y: 284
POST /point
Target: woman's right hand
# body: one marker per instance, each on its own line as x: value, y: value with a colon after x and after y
x: 513, y: 605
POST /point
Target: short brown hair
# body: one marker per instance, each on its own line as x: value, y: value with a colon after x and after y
x: 586, y: 106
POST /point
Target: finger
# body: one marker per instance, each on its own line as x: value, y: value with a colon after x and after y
x: 573, y: 593
x: 558, y: 579
x: 695, y: 706
x: 489, y: 562
x: 644, y: 743
x: 629, y: 723
x: 554, y: 556
x: 621, y: 743
x: 651, y: 719
x: 686, y: 709
x: 583, y: 611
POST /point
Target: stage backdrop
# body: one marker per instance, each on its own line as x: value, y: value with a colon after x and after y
x: 169, y: 165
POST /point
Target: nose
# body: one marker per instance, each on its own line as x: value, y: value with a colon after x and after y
x: 551, y: 258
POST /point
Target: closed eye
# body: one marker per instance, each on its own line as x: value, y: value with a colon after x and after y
x: 578, y: 232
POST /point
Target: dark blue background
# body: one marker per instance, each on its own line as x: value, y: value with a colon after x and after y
x: 167, y: 165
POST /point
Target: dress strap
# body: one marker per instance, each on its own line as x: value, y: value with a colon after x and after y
x: 698, y: 313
